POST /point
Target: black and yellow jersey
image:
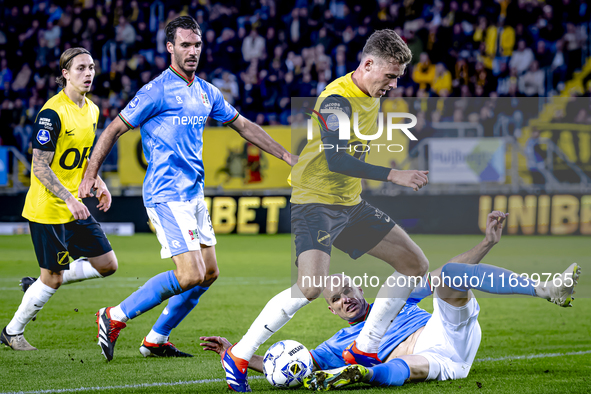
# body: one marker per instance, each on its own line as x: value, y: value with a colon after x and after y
x: 315, y: 179
x: 69, y: 131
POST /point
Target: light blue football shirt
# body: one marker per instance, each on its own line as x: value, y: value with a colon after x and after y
x: 329, y: 354
x: 171, y: 113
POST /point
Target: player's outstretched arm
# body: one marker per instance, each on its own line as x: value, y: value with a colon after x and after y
x: 220, y: 344
x: 42, y: 171
x: 254, y: 134
x: 494, y: 228
x: 102, y: 148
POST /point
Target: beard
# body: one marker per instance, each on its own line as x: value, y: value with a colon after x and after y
x: 182, y: 65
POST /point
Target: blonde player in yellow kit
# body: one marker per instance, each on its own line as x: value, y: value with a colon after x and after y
x: 61, y: 225
x: 327, y: 209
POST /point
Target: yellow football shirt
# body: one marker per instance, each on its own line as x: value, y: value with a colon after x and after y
x: 68, y: 130
x: 311, y: 179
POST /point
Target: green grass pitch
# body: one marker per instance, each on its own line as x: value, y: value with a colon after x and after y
x: 255, y: 268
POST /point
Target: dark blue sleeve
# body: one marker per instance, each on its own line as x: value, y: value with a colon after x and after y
x: 46, y: 130
x: 338, y: 158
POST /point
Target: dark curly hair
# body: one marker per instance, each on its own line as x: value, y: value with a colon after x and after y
x: 182, y: 22
x: 387, y: 44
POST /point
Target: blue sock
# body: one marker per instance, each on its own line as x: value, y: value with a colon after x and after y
x: 487, y: 278
x: 156, y: 290
x: 178, y: 307
x: 392, y: 373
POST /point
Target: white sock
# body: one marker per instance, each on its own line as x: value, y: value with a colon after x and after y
x: 154, y: 337
x: 278, y: 311
x: 33, y: 300
x: 80, y: 270
x: 117, y: 314
x: 389, y: 301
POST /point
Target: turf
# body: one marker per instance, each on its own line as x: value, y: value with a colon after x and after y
x: 253, y: 269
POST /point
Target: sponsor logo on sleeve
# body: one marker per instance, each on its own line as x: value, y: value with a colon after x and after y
x: 134, y: 103
x: 45, y: 123
x: 332, y: 122
x: 43, y: 136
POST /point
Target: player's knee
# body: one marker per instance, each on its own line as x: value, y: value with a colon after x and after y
x: 110, y: 267
x: 189, y: 280
x: 53, y: 281
x: 211, y: 276
x: 311, y: 292
x: 422, y: 265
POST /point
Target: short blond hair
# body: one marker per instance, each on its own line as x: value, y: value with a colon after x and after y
x: 387, y: 45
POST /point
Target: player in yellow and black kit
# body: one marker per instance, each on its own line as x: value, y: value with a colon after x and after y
x: 327, y: 209
x: 61, y: 225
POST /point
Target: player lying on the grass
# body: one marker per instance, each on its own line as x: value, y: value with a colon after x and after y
x: 418, y: 345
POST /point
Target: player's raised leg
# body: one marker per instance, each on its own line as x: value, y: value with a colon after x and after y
x: 453, y: 280
x: 402, y: 253
x: 313, y: 267
x: 84, y: 238
x: 156, y: 343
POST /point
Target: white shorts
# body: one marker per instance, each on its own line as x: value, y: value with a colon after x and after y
x: 450, y: 339
x: 182, y: 226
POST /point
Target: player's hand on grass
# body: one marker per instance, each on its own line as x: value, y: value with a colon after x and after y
x: 78, y: 209
x: 215, y: 344
x: 414, y: 179
x: 494, y: 226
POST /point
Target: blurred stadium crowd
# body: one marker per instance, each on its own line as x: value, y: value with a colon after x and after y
x: 260, y: 53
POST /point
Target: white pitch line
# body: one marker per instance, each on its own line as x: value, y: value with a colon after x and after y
x: 180, y: 383
x: 543, y: 355
x: 126, y: 386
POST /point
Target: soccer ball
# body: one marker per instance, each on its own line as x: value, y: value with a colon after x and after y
x: 287, y: 363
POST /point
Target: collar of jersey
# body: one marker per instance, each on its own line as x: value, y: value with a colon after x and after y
x: 69, y: 101
x: 362, y: 318
x: 355, y: 87
x: 189, y: 83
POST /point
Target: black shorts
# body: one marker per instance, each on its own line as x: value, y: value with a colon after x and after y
x: 353, y: 229
x: 55, y: 243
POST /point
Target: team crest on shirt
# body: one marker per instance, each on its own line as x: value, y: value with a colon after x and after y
x: 134, y: 103
x: 43, y: 136
x: 204, y: 98
x: 193, y: 234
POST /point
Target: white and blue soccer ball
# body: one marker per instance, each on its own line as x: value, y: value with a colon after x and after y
x: 287, y: 363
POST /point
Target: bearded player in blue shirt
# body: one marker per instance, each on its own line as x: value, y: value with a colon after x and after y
x: 171, y: 112
x: 419, y: 345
